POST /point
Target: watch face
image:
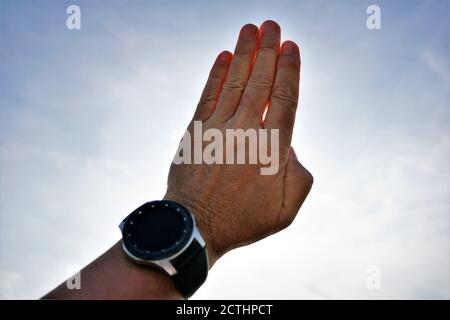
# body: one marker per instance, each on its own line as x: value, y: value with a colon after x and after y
x: 157, y: 230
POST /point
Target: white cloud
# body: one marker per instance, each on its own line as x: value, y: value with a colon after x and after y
x: 90, y: 126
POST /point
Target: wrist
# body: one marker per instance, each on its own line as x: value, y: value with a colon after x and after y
x: 201, y: 218
x: 135, y: 278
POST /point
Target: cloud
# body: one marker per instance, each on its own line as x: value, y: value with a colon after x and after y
x: 89, y: 125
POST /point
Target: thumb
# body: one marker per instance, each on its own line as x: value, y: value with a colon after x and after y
x: 297, y: 184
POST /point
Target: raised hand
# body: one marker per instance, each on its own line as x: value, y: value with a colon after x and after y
x: 239, y: 203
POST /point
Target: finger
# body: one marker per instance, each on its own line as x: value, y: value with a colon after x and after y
x: 238, y: 72
x: 211, y: 92
x: 257, y: 91
x: 285, y: 91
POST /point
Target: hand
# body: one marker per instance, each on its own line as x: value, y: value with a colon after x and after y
x: 234, y: 204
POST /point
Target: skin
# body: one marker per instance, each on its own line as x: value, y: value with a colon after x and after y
x: 234, y: 205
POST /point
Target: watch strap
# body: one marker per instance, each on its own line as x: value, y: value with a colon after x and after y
x: 192, y: 269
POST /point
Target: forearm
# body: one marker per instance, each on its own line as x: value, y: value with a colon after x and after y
x: 114, y: 276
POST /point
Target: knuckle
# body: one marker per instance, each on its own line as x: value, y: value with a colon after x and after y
x: 286, y: 95
x: 267, y: 48
x: 216, y: 76
x: 289, y: 64
x: 234, y: 84
x: 206, y: 99
x: 260, y: 80
x: 242, y: 54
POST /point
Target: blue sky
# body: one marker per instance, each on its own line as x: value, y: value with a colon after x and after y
x: 90, y: 120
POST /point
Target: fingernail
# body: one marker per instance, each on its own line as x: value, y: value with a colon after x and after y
x: 269, y: 27
x: 249, y: 31
x: 288, y: 47
x: 223, y: 57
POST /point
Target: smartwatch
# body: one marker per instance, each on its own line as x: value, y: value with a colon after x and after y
x: 163, y: 234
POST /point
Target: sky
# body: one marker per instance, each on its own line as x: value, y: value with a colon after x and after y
x: 90, y: 120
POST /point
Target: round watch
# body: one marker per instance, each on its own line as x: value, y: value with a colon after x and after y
x: 163, y: 234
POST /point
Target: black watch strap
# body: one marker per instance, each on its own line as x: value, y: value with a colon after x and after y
x: 192, y: 269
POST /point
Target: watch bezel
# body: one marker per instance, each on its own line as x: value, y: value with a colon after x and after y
x: 146, y: 256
